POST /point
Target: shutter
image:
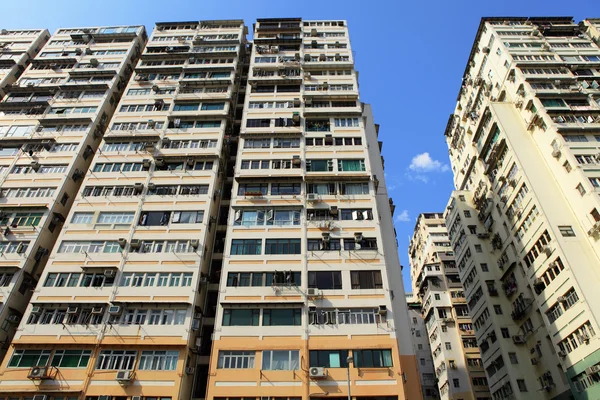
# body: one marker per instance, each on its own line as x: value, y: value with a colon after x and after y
x: 355, y: 215
x: 365, y: 214
x: 176, y: 216
x: 238, y: 215
x: 270, y: 215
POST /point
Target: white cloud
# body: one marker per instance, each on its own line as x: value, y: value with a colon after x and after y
x: 424, y: 163
x: 403, y: 216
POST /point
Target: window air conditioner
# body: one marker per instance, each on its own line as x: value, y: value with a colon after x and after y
x: 114, y: 310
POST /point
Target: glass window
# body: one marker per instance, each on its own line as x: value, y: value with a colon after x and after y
x: 71, y: 358
x: 280, y: 360
x: 282, y: 317
x: 328, y: 358
x: 241, y: 317
x: 372, y: 358
x: 325, y: 279
x: 29, y: 358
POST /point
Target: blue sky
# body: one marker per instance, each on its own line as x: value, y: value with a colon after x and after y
x: 410, y: 55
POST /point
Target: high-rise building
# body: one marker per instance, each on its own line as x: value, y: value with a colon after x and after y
x: 121, y: 305
x: 311, y: 303
x: 236, y: 201
x: 51, y: 123
x: 17, y: 48
x: 448, y: 328
x: 422, y: 348
x: 525, y: 219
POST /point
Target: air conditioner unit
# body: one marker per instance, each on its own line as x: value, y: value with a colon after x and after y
x: 109, y: 273
x: 13, y: 318
x: 138, y: 187
x: 97, y: 310
x: 195, y: 243
x: 115, y: 310
x: 382, y: 310
x: 312, y: 197
x: 72, y: 310
x: 124, y: 376
x: 122, y: 242
x: 534, y: 361
x: 190, y: 370
x: 38, y: 372
x: 358, y: 237
x: 562, y: 353
x: 326, y: 237
x: 547, y: 250
x: 135, y: 243
x: 318, y: 372
x: 40, y: 397
x: 594, y: 369
x: 312, y: 292
x: 486, y: 50
x: 136, y: 397
x: 518, y: 339
x: 146, y: 163
x: 556, y: 153
x: 561, y: 299
x: 36, y: 310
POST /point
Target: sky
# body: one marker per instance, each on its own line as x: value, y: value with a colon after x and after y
x: 410, y: 56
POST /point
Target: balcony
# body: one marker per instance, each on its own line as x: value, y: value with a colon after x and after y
x: 521, y: 308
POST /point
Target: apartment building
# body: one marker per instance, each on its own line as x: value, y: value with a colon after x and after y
x: 422, y: 348
x: 523, y: 221
x: 448, y: 327
x: 17, y: 48
x: 51, y: 123
x: 311, y: 303
x: 136, y: 248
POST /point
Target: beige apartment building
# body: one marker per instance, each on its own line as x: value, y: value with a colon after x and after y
x: 17, y: 48
x: 51, y: 123
x: 120, y: 306
x: 422, y: 348
x: 236, y: 203
x: 524, y: 220
x: 311, y: 303
x: 448, y: 326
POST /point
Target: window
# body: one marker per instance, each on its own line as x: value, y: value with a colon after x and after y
x: 513, y: 358
x: 241, y: 317
x: 351, y: 165
x: 246, y: 246
x: 82, y: 218
x: 456, y: 382
x: 71, y: 358
x: 505, y: 333
x: 328, y: 358
x: 372, y: 358
x: 116, y: 359
x: 436, y: 296
x: 448, y: 346
x: 497, y: 309
x: 521, y: 385
x: 366, y: 279
x: 29, y: 358
x: 319, y: 165
x: 187, y: 217
x: 158, y: 360
x: 478, y: 248
x: 566, y: 231
x: 282, y: 317
x: 236, y: 359
x: 277, y: 360
x: 282, y: 246
x: 325, y: 279
x: 115, y: 218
